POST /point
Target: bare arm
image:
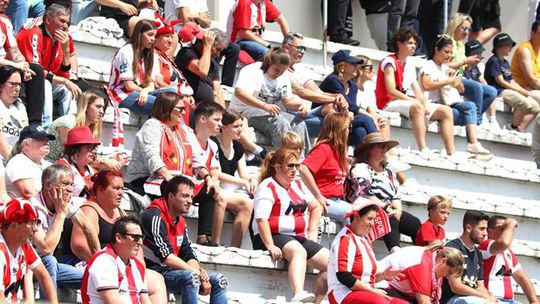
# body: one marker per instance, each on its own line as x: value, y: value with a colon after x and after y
x: 25, y: 187
x: 46, y: 283
x: 47, y: 242
x: 249, y: 100
x: 175, y: 262
x: 461, y: 289
x: 79, y: 244
x: 525, y: 62
x: 5, y: 148
x: 431, y: 85
x: 525, y: 283
x: 511, y: 85
x: 390, y: 84
x: 89, y: 231
x: 310, y: 183
x: 314, y: 96
x: 202, y: 19
x: 201, y: 66
x: 283, y: 25
x: 422, y: 298
x: 218, y: 97
x: 315, y: 213
x: 418, y: 93
x: 506, y: 237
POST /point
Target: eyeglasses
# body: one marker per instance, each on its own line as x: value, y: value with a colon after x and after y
x: 293, y: 166
x: 14, y: 84
x: 466, y: 29
x: 442, y: 38
x: 181, y: 109
x: 368, y: 67
x: 135, y: 237
x: 300, y: 48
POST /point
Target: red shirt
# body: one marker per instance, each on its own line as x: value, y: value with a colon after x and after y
x: 37, y: 46
x: 248, y: 15
x: 323, y: 162
x: 417, y: 278
x: 383, y: 98
x: 428, y: 233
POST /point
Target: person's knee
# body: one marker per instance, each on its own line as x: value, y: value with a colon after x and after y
x: 219, y: 281
x: 444, y: 112
x: 416, y: 110
x: 281, y: 124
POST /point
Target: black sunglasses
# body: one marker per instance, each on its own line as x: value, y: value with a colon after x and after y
x: 293, y: 166
x: 135, y: 237
x: 180, y: 109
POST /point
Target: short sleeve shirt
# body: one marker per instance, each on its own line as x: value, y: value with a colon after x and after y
x: 13, y: 120
x: 498, y: 270
x: 366, y: 182
x: 195, y: 7
x: 203, y: 87
x: 7, y: 39
x: 246, y: 14
x: 31, y: 171
x: 496, y: 66
x: 332, y: 84
x: 428, y: 233
x: 47, y: 217
x: 473, y: 269
x: 437, y: 73
x: 323, y: 162
x: 473, y: 73
x: 259, y: 85
x: 55, y: 146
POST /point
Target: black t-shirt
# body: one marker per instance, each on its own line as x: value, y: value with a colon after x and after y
x: 473, y: 268
x: 230, y: 166
x: 203, y: 87
x: 108, y: 11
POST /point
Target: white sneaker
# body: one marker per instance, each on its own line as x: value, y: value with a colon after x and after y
x: 395, y: 165
x: 477, y: 149
x: 410, y: 186
x: 304, y: 297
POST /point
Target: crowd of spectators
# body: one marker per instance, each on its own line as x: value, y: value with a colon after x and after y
x: 64, y: 216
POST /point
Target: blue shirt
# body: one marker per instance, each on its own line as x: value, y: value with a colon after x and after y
x: 473, y: 73
x: 331, y: 84
x: 496, y: 66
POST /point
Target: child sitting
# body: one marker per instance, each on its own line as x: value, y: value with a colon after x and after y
x: 432, y: 231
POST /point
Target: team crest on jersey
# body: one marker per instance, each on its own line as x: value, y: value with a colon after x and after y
x: 179, y: 240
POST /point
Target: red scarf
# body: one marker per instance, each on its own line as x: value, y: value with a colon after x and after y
x: 175, y: 150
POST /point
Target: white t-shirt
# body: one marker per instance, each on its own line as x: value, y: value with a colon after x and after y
x: 47, y: 217
x: 300, y: 75
x: 366, y: 98
x: 195, y: 7
x: 13, y: 120
x: 21, y: 167
x: 437, y: 73
x: 257, y: 84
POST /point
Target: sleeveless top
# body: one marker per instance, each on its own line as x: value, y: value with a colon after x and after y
x: 517, y: 73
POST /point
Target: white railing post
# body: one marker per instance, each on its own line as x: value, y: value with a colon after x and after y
x: 445, y: 14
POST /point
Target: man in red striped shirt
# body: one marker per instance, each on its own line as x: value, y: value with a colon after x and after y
x: 19, y: 221
x: 501, y: 264
x: 115, y: 275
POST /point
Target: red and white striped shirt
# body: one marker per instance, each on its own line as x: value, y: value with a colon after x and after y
x: 106, y: 271
x: 350, y: 253
x: 7, y: 39
x: 498, y: 270
x: 13, y: 268
x: 284, y: 208
x: 248, y: 15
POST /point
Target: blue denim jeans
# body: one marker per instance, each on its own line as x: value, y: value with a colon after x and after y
x: 63, y: 275
x: 481, y: 94
x: 66, y: 102
x: 314, y: 122
x: 187, y: 283
x: 464, y: 113
x: 362, y: 125
x: 254, y: 49
x: 508, y: 301
x: 19, y: 11
x: 81, y: 9
x: 337, y: 210
x: 130, y: 102
x: 466, y: 300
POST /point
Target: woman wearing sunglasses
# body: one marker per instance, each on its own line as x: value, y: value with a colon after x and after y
x: 285, y: 220
x: 481, y: 94
x: 161, y: 149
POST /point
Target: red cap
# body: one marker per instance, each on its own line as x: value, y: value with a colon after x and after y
x: 164, y: 28
x: 18, y: 210
x: 189, y: 31
x: 79, y: 136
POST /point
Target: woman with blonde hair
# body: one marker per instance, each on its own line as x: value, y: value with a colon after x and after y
x: 90, y: 110
x: 326, y: 166
x: 285, y: 220
x: 481, y: 94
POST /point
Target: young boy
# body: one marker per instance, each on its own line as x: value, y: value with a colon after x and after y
x: 432, y: 230
x: 499, y: 75
x: 292, y: 141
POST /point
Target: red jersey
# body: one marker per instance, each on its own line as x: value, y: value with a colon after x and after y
x: 498, y: 270
x: 350, y: 253
x: 248, y: 15
x: 383, y: 98
x: 7, y: 39
x: 13, y: 268
x: 323, y: 162
x: 428, y: 233
x: 106, y: 271
x: 37, y: 46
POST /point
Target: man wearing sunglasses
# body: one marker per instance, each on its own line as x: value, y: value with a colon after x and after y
x: 55, y: 203
x: 303, y: 86
x: 115, y: 275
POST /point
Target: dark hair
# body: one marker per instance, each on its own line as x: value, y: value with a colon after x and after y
x: 164, y: 104
x: 103, y: 179
x: 473, y: 217
x: 364, y: 211
x: 403, y: 35
x: 290, y: 36
x: 172, y: 185
x: 120, y: 226
x: 442, y: 41
x: 6, y: 72
x: 493, y: 220
x: 139, y: 53
x: 207, y: 109
x: 230, y: 116
x: 535, y: 25
x: 275, y: 55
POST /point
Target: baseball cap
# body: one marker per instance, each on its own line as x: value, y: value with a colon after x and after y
x: 189, y: 31
x: 345, y: 56
x: 503, y: 39
x: 473, y: 47
x: 18, y: 210
x: 35, y: 132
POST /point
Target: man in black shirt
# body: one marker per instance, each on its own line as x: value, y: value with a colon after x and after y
x: 469, y: 289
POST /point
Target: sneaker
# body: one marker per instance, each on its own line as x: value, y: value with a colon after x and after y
x: 477, y: 149
x: 494, y: 126
x: 256, y: 161
x: 410, y: 186
x: 304, y: 297
x: 395, y: 165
